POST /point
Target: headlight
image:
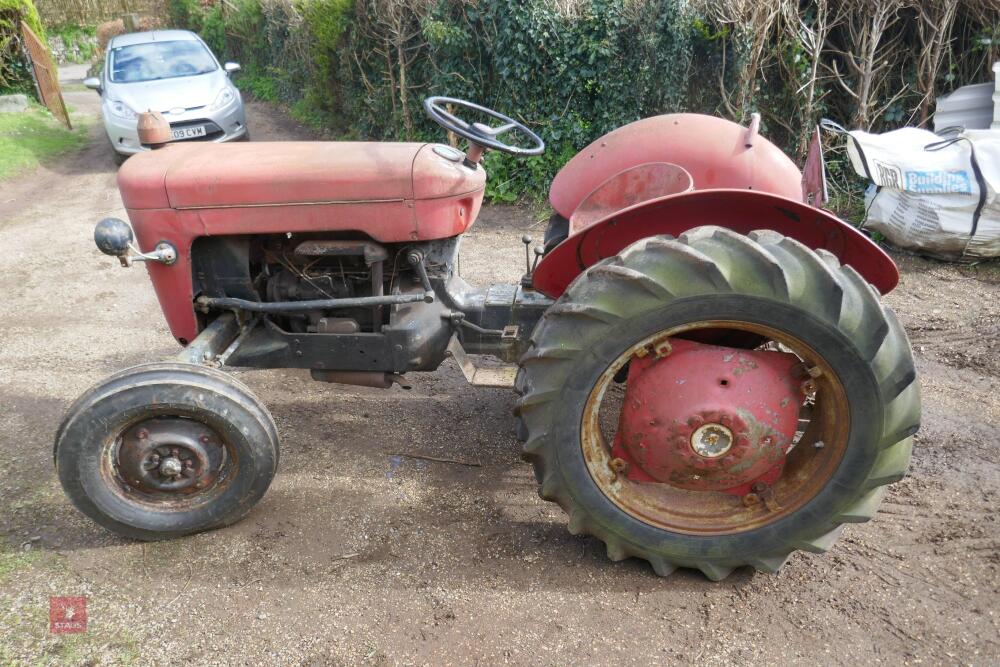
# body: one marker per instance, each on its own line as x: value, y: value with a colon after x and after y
x: 121, y: 110
x: 226, y: 97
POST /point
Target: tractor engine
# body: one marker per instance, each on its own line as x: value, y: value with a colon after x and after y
x: 316, y: 269
x: 406, y: 329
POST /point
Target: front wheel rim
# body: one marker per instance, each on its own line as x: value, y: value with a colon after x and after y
x: 168, y: 463
x: 808, y: 467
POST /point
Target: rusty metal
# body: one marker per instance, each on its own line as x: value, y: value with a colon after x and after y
x: 619, y: 466
x: 169, y: 458
x: 212, y: 341
x: 153, y: 129
x: 806, y: 467
x: 372, y: 252
x: 46, y: 75
x: 358, y: 378
x: 707, y: 417
x: 480, y: 376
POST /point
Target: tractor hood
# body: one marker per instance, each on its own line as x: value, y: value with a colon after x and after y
x: 215, y: 176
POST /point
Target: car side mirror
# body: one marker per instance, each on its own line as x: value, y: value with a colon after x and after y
x: 93, y: 83
x: 231, y: 67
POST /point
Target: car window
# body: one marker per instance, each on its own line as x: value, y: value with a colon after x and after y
x: 159, y: 60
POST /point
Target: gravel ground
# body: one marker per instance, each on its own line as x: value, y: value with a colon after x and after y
x: 361, y: 555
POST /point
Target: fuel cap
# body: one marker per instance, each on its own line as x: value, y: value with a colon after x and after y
x: 449, y: 153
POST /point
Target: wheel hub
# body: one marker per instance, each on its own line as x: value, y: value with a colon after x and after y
x: 171, y: 467
x: 170, y: 455
x: 711, y: 440
x: 708, y: 418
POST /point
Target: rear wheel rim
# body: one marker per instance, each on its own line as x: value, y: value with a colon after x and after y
x: 809, y: 465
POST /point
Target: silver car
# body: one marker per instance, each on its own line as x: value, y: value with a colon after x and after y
x: 175, y: 73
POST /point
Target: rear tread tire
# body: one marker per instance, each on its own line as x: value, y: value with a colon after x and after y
x: 708, y: 261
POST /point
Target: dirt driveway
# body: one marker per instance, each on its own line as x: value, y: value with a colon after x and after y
x: 360, y: 555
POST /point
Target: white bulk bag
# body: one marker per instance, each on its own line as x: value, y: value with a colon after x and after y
x: 936, y: 196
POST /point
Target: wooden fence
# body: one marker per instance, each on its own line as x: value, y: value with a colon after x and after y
x: 46, y: 74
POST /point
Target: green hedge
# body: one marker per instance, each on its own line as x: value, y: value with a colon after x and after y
x: 572, y: 69
x: 15, y: 77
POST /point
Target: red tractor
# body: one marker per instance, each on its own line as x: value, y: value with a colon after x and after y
x: 706, y: 375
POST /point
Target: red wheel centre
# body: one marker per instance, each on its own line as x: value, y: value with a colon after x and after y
x: 708, y: 418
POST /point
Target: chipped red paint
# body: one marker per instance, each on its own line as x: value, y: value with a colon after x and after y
x: 739, y: 210
x: 752, y: 395
x: 391, y: 192
x: 628, y: 188
x: 712, y: 150
x: 740, y: 184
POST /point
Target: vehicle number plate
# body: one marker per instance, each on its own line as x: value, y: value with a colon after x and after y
x: 180, y: 134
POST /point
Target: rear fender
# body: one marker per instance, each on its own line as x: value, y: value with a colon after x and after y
x: 716, y: 154
x: 742, y: 211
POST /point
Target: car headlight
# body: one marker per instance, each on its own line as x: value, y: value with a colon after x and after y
x: 226, y: 97
x: 121, y: 110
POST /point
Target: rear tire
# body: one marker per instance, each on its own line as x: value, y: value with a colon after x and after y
x: 215, y: 443
x: 712, y: 274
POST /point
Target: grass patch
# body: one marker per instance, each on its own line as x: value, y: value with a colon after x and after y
x: 30, y: 138
x: 27, y: 578
x: 13, y: 560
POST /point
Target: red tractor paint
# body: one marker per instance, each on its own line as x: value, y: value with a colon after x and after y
x: 738, y: 210
x: 343, y: 259
x: 637, y: 181
x: 741, y: 406
x: 714, y: 151
x: 385, y: 191
x: 628, y: 188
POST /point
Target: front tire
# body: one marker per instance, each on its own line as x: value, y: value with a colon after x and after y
x: 164, y: 450
x: 767, y: 287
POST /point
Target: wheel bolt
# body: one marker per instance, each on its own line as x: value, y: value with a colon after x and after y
x: 618, y: 466
x: 142, y: 434
x: 204, y: 439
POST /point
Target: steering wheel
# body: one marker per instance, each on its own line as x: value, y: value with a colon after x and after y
x: 479, y: 135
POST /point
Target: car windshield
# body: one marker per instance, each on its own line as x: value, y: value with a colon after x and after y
x: 160, y: 60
